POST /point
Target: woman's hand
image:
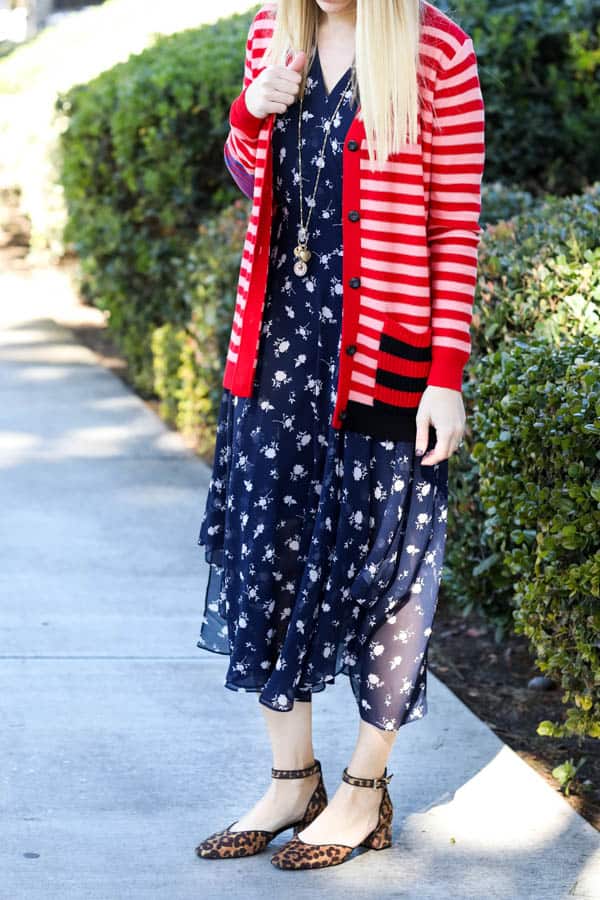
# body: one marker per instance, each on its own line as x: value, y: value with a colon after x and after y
x: 275, y: 88
x: 443, y: 408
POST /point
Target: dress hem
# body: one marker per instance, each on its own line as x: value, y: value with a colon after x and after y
x: 313, y: 690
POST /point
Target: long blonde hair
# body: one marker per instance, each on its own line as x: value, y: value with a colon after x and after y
x: 386, y: 64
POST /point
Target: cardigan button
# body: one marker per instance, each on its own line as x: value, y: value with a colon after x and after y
x: 354, y: 215
x: 351, y: 349
x: 352, y: 145
x: 354, y: 282
x: 343, y: 414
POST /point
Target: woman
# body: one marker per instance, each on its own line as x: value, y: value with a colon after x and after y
x: 359, y: 137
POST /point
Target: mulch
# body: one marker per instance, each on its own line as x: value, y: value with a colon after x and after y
x: 491, y: 679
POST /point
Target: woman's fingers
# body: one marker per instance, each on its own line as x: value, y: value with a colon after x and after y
x: 284, y: 80
x: 273, y: 90
x: 282, y: 86
x: 440, y: 451
x: 276, y: 96
x: 277, y: 108
x: 443, y: 409
x: 289, y: 76
x: 446, y: 443
x: 422, y: 435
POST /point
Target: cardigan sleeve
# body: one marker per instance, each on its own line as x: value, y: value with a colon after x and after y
x: 453, y: 230
x: 241, y: 145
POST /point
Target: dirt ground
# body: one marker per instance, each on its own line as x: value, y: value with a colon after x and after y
x: 491, y: 679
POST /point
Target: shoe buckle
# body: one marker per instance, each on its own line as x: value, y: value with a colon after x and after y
x: 383, y: 781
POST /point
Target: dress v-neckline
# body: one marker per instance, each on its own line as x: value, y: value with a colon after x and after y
x: 338, y: 83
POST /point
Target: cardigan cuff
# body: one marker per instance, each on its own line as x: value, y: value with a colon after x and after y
x: 241, y: 117
x: 447, y: 366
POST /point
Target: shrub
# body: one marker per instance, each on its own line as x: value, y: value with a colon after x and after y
x: 502, y: 201
x: 189, y: 362
x: 537, y: 419
x: 166, y: 343
x: 539, y: 65
x: 72, y: 50
x: 527, y: 265
x: 538, y: 276
x: 142, y: 162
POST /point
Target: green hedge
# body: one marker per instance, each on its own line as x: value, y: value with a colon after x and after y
x: 539, y: 65
x: 538, y: 276
x: 502, y: 201
x: 189, y: 361
x: 529, y: 264
x: 537, y: 419
x: 142, y: 163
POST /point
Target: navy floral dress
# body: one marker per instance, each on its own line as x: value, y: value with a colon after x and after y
x: 325, y: 546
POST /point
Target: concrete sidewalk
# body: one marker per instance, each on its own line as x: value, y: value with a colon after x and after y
x: 120, y: 747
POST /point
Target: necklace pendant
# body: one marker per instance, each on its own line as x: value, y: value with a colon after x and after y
x: 302, y: 235
x: 302, y: 252
x: 300, y: 268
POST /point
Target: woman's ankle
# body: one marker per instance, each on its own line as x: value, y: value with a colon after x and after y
x: 295, y: 761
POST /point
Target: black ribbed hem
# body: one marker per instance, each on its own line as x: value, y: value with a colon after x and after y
x: 384, y: 422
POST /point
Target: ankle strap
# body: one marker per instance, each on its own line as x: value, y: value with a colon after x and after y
x: 297, y: 773
x: 368, y: 782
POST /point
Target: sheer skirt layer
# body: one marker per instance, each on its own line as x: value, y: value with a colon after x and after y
x: 348, y: 582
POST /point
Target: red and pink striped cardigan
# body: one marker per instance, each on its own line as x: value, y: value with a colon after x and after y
x: 410, y: 235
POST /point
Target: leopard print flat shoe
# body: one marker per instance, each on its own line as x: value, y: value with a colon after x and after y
x: 298, y: 854
x: 229, y: 844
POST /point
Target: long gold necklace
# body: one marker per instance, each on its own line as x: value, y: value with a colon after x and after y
x: 301, y: 252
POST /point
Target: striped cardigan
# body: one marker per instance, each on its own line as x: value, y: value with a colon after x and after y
x: 410, y: 236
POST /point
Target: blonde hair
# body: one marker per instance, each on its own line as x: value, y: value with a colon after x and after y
x: 386, y: 64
